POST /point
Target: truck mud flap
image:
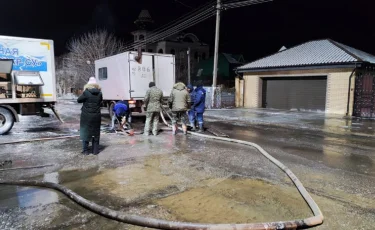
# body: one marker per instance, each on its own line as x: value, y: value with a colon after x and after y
x: 56, y: 114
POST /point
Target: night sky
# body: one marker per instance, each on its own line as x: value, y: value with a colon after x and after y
x: 254, y: 31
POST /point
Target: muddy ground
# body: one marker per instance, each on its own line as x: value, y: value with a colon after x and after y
x: 186, y: 178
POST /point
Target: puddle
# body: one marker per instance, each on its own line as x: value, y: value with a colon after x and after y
x: 172, y: 187
x: 237, y: 201
x: 28, y: 197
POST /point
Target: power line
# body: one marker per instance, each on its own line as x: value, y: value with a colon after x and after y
x: 244, y: 3
x: 182, y: 26
x: 183, y: 4
x: 180, y: 19
x: 169, y: 33
x: 196, y: 17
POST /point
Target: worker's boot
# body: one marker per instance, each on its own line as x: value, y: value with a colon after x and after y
x: 201, y: 129
x: 184, y: 129
x: 85, y: 146
x: 174, y: 129
x: 193, y: 127
x: 95, y: 146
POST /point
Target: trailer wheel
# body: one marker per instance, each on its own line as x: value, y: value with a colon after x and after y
x: 6, y: 121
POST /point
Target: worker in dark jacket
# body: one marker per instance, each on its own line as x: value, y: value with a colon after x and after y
x: 179, y: 102
x: 191, y: 112
x: 199, y: 104
x: 153, y: 101
x: 90, y: 116
x: 121, y: 113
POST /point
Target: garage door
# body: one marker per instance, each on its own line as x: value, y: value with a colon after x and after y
x: 300, y: 93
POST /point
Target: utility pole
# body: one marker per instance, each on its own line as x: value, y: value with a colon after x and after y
x: 216, y: 54
x: 188, y: 53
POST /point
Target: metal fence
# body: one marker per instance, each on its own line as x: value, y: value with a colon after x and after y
x: 224, y: 98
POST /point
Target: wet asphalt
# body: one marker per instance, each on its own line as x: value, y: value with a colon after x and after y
x: 170, y: 176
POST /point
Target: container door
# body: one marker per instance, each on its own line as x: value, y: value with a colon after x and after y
x: 165, y: 73
x: 141, y: 75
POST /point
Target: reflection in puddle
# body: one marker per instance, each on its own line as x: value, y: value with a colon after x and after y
x: 28, y: 197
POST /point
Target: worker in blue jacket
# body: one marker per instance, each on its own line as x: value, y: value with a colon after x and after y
x: 199, y: 104
x: 191, y: 112
x: 121, y: 112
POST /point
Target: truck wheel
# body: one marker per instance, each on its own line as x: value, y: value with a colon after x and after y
x: 6, y: 120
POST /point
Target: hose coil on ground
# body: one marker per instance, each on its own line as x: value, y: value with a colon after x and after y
x: 313, y: 221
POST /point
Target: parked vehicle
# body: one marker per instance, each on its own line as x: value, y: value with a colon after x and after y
x: 27, y: 79
x: 125, y: 77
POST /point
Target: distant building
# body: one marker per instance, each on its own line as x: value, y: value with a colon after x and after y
x: 321, y: 75
x: 226, y: 65
x: 177, y: 45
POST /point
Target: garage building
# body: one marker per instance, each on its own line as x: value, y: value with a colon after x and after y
x: 320, y: 75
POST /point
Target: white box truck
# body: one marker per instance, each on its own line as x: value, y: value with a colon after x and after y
x: 121, y: 77
x: 27, y: 78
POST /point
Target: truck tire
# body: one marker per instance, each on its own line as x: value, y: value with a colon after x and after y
x: 6, y: 120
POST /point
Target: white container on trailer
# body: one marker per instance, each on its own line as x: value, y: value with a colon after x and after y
x: 27, y: 78
x: 121, y: 77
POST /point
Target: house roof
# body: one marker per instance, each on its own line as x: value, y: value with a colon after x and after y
x: 205, y: 67
x: 318, y: 52
x: 233, y: 58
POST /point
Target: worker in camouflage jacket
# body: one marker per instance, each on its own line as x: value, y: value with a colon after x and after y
x: 153, y: 101
x: 179, y: 102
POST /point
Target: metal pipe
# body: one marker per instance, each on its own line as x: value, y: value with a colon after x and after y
x: 350, y: 85
x: 189, y: 76
x: 216, y: 52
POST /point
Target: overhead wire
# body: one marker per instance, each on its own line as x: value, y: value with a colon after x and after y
x: 205, y: 12
x: 184, y: 4
x: 182, y: 26
x: 179, y: 20
x: 244, y: 3
x: 186, y: 24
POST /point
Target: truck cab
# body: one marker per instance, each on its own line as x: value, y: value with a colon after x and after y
x: 27, y: 79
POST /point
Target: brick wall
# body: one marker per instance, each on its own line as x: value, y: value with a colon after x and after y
x: 337, y: 93
x: 251, y: 91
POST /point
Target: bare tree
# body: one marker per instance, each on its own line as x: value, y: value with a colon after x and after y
x: 89, y: 47
x: 66, y: 79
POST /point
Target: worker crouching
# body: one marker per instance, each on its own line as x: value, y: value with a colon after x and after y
x: 121, y: 114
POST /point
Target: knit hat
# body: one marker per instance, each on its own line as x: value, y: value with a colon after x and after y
x: 151, y: 84
x: 92, y: 80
